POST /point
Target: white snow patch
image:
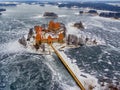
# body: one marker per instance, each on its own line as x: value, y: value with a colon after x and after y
x: 38, y: 16
x: 76, y: 13
x: 68, y: 87
x: 62, y: 15
x: 106, y: 69
x: 109, y: 63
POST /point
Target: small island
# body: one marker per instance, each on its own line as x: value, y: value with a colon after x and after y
x: 81, y: 12
x: 92, y: 12
x: 4, y: 4
x: 79, y: 25
x: 115, y: 15
x: 1, y: 9
x: 50, y: 15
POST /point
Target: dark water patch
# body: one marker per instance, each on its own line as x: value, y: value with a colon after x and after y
x: 2, y: 81
x: 5, y: 57
x: 110, y: 24
x: 33, y: 77
x: 86, y: 57
x: 25, y: 72
x: 97, y: 60
x: 113, y: 58
x: 85, y: 53
x: 56, y: 86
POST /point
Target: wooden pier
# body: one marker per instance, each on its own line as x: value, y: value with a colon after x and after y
x: 68, y: 68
